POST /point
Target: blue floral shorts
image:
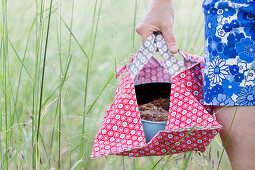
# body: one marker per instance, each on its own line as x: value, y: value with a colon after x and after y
x: 229, y: 72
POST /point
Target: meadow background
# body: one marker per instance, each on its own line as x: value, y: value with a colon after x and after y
x: 57, y: 65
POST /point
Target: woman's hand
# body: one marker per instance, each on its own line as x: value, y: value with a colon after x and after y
x: 159, y: 18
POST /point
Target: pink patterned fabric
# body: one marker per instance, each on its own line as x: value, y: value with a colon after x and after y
x: 121, y: 132
x: 153, y: 71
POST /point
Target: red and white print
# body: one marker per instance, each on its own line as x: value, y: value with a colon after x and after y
x: 190, y: 125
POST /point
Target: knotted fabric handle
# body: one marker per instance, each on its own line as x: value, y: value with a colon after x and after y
x: 171, y: 63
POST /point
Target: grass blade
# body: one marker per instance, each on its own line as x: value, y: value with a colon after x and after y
x: 185, y: 165
x: 42, y: 79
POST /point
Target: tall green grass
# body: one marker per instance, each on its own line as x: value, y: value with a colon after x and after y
x: 57, y: 65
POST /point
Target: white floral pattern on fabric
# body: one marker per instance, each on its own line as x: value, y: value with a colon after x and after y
x: 172, y: 64
x: 229, y: 52
x: 247, y: 98
x: 121, y: 131
x: 217, y: 71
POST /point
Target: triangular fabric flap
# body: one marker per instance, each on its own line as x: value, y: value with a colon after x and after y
x: 192, y: 57
x: 153, y: 71
x: 121, y: 128
x: 174, y: 142
x: 185, y: 110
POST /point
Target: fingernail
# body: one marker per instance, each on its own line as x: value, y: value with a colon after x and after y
x: 173, y: 49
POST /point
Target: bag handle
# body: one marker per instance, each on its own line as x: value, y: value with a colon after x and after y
x: 172, y: 65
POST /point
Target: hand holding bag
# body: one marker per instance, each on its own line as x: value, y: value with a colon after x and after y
x: 190, y: 125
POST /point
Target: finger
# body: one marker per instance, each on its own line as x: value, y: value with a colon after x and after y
x: 169, y: 37
x: 143, y: 31
x: 145, y: 35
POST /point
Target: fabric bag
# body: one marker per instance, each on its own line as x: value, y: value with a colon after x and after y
x: 190, y: 126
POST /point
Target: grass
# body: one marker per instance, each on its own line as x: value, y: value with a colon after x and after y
x: 57, y: 79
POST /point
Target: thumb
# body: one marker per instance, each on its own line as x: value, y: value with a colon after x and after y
x: 169, y: 37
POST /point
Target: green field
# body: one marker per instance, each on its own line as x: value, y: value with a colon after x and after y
x: 57, y: 65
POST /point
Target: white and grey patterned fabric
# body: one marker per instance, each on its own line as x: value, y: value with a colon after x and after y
x: 171, y: 63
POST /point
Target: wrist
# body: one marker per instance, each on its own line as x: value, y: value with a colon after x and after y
x: 162, y: 4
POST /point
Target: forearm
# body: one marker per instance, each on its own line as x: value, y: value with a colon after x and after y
x: 162, y: 4
x: 160, y: 11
